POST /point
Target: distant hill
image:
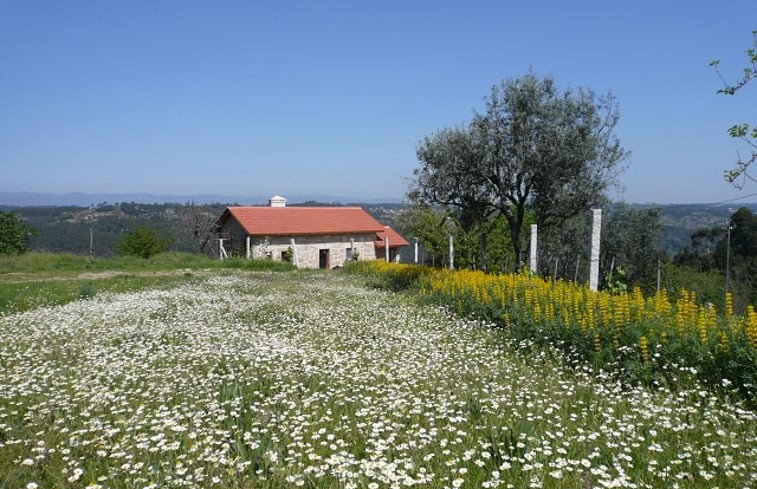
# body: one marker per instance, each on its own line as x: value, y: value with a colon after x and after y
x: 679, y: 221
x: 68, y: 228
x: 29, y: 199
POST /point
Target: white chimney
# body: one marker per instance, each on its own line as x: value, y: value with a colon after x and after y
x: 277, y: 201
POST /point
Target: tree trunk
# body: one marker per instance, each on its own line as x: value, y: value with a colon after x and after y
x: 483, y: 251
x: 515, y: 226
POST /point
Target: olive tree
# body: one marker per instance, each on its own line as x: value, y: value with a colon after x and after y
x: 535, y: 148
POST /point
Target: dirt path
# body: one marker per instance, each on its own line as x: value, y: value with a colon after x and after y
x: 22, y: 277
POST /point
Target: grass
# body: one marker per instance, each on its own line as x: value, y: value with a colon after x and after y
x: 24, y: 296
x: 63, y: 264
x: 313, y: 380
x: 34, y: 280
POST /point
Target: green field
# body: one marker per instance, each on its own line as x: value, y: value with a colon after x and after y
x: 242, y: 379
x: 46, y: 279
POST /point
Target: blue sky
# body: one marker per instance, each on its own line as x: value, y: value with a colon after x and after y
x: 292, y: 98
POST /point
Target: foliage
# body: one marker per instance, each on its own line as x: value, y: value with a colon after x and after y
x: 484, y: 244
x: 707, y: 285
x: 709, y: 252
x: 616, y: 281
x: 630, y: 239
x: 281, y: 381
x: 740, y: 174
x: 601, y: 327
x: 67, y: 229
x: 87, y: 290
x: 534, y: 148
x: 288, y: 255
x: 143, y: 242
x: 699, y: 255
x: 432, y: 228
x: 14, y: 234
x: 394, y: 276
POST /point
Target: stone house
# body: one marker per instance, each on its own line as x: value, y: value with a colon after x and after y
x: 309, y: 237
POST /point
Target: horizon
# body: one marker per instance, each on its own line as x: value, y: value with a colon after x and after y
x: 256, y: 99
x: 83, y: 199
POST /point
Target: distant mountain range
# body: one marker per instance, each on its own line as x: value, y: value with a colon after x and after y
x: 26, y: 199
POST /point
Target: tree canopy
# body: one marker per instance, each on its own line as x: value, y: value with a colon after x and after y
x: 709, y: 252
x: 534, y: 148
x: 14, y: 234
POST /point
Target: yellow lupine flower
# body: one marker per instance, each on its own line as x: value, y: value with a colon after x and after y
x: 723, y: 343
x: 751, y: 325
x: 597, y: 315
x: 728, y: 305
x: 644, y: 349
x: 702, y: 324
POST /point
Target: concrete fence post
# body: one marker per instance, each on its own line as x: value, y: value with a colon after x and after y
x: 532, y: 261
x: 596, y: 227
x: 294, y: 252
x: 451, y: 252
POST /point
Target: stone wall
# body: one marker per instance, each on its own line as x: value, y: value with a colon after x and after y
x: 308, y: 248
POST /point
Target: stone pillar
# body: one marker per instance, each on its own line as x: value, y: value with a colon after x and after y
x: 596, y: 227
x: 451, y: 252
x: 386, y: 248
x: 532, y: 261
x: 415, y: 250
x: 294, y: 253
x: 247, y: 244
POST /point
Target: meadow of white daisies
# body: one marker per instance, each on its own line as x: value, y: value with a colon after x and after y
x: 313, y: 380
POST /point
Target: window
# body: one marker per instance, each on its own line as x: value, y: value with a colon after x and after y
x: 286, y: 255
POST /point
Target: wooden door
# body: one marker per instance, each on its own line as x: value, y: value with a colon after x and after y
x: 323, y: 259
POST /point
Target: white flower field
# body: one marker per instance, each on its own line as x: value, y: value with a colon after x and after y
x: 311, y: 379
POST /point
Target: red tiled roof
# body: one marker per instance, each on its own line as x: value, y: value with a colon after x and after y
x: 298, y: 221
x: 395, y: 238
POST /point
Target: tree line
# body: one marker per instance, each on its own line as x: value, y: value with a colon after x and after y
x: 99, y: 230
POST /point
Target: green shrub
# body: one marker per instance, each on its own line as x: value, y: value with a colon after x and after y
x: 389, y: 275
x: 14, y: 234
x: 143, y: 242
x: 87, y: 290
